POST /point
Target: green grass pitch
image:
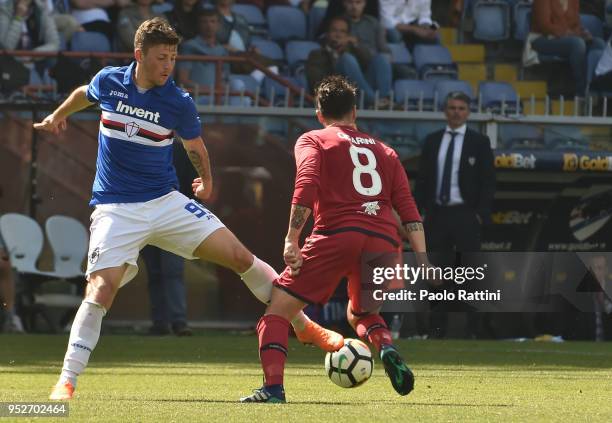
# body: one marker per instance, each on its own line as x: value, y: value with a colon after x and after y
x: 137, y: 379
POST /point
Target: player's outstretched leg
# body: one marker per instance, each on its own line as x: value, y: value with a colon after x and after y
x: 85, y: 331
x: 223, y: 248
x: 272, y: 330
x: 372, y: 328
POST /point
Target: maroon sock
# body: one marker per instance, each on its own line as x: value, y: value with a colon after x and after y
x: 273, y: 334
x: 373, y: 329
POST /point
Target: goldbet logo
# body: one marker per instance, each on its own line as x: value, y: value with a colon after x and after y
x: 511, y: 217
x: 515, y: 161
x: 571, y: 163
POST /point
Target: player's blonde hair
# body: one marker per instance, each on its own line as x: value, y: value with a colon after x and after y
x: 154, y: 32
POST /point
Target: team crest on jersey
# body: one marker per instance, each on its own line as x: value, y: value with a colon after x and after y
x: 131, y: 129
x: 94, y: 256
x: 371, y: 208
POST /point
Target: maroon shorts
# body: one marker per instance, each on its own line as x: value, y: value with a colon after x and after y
x: 329, y: 258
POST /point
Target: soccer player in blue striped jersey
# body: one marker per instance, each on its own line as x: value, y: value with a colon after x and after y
x: 135, y: 192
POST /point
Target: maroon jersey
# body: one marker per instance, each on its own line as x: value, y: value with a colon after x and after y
x: 351, y: 181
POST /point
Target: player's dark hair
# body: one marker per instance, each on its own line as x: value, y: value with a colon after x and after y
x: 153, y: 32
x: 335, y: 97
x: 457, y: 95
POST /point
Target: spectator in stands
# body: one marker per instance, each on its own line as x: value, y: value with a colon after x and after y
x: 184, y: 17
x: 27, y: 25
x: 11, y: 321
x: 366, y: 29
x: 603, y: 71
x: 66, y: 24
x: 556, y: 31
x: 205, y: 43
x: 336, y: 8
x: 234, y: 33
x: 130, y: 19
x: 408, y: 20
x: 593, y: 7
x: 343, y: 54
x: 92, y: 16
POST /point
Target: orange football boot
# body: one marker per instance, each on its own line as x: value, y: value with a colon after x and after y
x: 326, y: 339
x: 62, y: 392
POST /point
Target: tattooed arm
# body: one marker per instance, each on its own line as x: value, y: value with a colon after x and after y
x: 198, y: 155
x: 292, y: 253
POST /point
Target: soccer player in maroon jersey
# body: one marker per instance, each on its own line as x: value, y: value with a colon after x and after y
x: 351, y: 183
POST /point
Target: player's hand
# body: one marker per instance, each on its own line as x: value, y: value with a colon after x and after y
x: 51, y: 124
x: 293, y: 257
x: 201, y: 190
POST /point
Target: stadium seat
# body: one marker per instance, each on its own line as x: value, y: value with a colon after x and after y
x: 434, y: 62
x: 269, y: 49
x: 491, y: 20
x: 297, y: 52
x: 246, y: 82
x: 593, y: 24
x: 444, y: 87
x: 24, y: 240
x: 400, y: 54
x: 254, y: 17
x: 467, y: 53
x: 161, y: 8
x: 522, y: 15
x: 315, y: 18
x: 69, y: 240
x: 275, y: 92
x: 414, y: 93
x: 495, y: 96
x: 286, y: 23
x: 90, y: 41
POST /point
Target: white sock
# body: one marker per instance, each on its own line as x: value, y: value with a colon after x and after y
x: 84, y: 336
x: 258, y: 278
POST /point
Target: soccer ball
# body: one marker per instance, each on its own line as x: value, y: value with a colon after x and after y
x: 351, y: 365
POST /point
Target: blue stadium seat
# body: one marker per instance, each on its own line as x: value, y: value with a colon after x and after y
x: 246, y: 82
x: 161, y: 8
x: 297, y: 52
x: 434, y: 62
x: 491, y: 20
x: 90, y: 41
x: 399, y: 53
x: 494, y: 94
x: 269, y: 49
x: 593, y: 24
x: 275, y: 92
x: 251, y: 13
x: 411, y: 92
x: 286, y: 23
x: 522, y: 16
x: 254, y: 17
x: 315, y: 17
x: 443, y: 88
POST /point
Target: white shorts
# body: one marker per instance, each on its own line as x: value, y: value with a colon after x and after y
x: 119, y: 231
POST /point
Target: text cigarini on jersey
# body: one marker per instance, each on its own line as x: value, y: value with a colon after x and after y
x: 137, y: 111
x: 354, y: 140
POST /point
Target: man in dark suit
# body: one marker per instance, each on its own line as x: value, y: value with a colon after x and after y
x: 454, y: 189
